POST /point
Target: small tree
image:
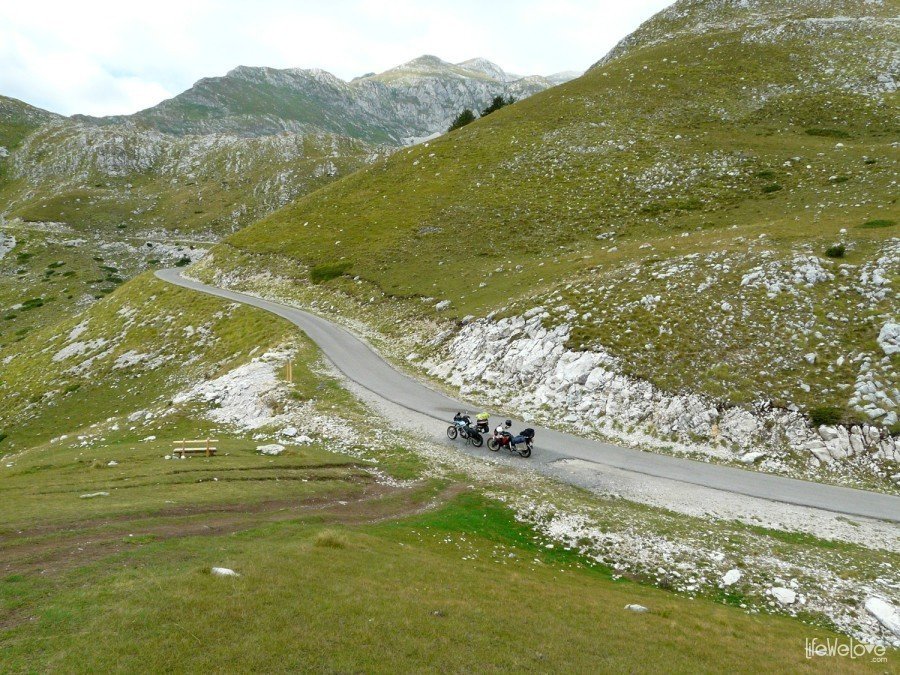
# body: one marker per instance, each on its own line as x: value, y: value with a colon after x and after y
x: 498, y: 102
x: 464, y: 118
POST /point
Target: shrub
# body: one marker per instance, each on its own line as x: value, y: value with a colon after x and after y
x: 825, y: 414
x: 184, y: 261
x: 2, y: 436
x: 836, y: 251
x: 33, y: 303
x: 765, y: 173
x: 771, y: 187
x: 327, y: 272
x: 875, y: 224
x: 461, y: 120
x: 330, y: 539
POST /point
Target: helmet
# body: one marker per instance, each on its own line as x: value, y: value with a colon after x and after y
x: 508, y: 423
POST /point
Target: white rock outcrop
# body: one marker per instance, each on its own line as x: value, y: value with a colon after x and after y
x: 887, y: 614
x: 527, y: 366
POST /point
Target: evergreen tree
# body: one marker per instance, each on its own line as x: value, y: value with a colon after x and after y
x: 498, y: 102
x: 464, y: 118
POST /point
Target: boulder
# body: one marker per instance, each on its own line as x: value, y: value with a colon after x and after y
x: 223, y: 572
x: 817, y: 448
x: 886, y: 613
x: 636, y: 608
x: 784, y: 595
x: 731, y: 577
x: 857, y: 445
x: 889, y: 338
x: 828, y: 433
x: 270, y: 449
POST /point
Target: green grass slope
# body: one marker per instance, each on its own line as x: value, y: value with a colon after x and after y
x: 69, y: 375
x: 461, y: 588
x: 714, y: 156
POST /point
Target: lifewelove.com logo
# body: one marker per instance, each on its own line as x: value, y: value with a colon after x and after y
x: 845, y: 648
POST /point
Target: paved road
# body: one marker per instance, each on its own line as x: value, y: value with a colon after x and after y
x: 361, y: 364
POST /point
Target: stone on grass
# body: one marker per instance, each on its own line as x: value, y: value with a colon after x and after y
x: 889, y: 338
x: 112, y: 462
x: 270, y: 449
x: 91, y: 495
x: 784, y: 595
x: 636, y: 608
x: 886, y: 613
x: 731, y: 577
x: 224, y: 572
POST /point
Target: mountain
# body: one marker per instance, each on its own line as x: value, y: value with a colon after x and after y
x: 413, y: 100
x: 17, y: 120
x: 706, y: 221
x: 89, y: 195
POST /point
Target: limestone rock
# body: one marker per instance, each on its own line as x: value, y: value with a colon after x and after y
x: 784, y: 595
x: 886, y: 613
x: 731, y: 577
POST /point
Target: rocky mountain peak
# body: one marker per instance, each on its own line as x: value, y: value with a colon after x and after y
x: 489, y: 68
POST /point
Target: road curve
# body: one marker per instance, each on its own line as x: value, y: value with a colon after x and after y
x: 361, y: 364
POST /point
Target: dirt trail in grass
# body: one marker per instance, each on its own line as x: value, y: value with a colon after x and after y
x: 50, y: 550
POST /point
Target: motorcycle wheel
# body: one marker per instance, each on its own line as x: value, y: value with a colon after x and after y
x: 477, y: 440
x: 452, y: 433
x: 493, y: 444
x: 526, y: 452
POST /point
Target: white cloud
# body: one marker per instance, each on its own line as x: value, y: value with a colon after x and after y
x: 102, y: 57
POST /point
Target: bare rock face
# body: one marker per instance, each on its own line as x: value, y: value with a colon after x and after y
x: 412, y: 101
x: 519, y: 355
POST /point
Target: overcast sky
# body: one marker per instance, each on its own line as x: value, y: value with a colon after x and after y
x: 104, y: 57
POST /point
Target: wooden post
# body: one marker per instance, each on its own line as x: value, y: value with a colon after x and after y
x: 208, y: 454
x: 289, y: 369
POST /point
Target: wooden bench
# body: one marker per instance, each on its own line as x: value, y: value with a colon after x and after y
x: 203, y: 446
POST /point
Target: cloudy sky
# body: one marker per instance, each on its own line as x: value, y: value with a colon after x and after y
x: 104, y: 57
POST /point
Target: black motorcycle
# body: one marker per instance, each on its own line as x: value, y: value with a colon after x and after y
x: 462, y: 427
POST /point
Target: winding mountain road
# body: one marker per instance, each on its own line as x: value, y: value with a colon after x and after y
x: 362, y: 365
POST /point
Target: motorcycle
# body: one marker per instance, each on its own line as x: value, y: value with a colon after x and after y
x: 525, y: 438
x: 462, y: 427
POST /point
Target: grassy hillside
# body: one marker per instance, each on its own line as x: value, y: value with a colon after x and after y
x: 121, y: 180
x: 463, y: 587
x: 706, y: 161
x: 132, y: 350
x: 346, y: 540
